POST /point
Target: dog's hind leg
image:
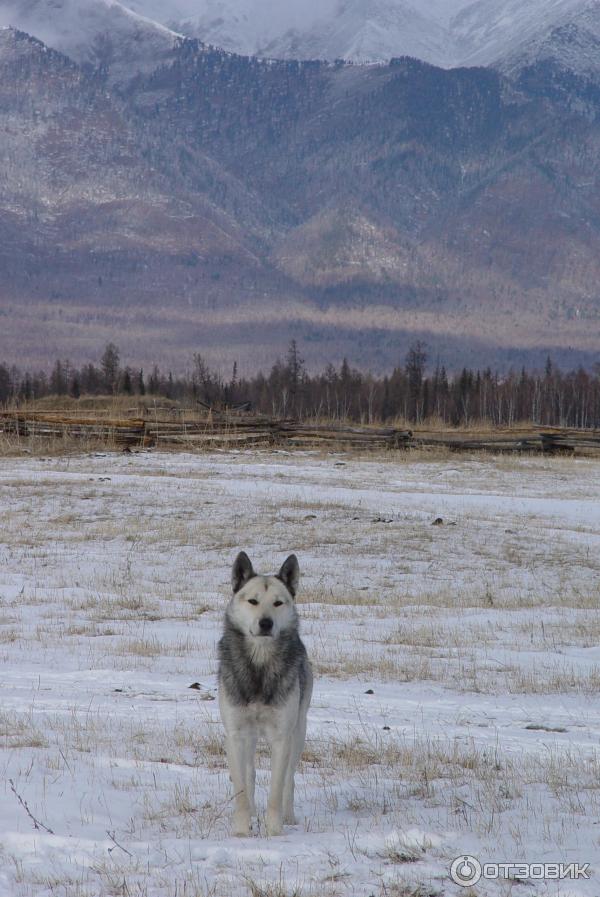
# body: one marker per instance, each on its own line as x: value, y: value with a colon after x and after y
x: 297, y: 748
x: 238, y: 749
x: 250, y: 771
x: 288, y: 791
x: 281, y: 749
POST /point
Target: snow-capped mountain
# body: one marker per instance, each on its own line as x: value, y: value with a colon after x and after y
x: 573, y: 43
x: 488, y: 30
x: 455, y: 203
x: 443, y: 32
x: 133, y: 35
x: 243, y: 26
x: 98, y: 32
x: 357, y: 30
x: 366, y: 32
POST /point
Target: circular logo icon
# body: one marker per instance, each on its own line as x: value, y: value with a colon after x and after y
x: 465, y: 871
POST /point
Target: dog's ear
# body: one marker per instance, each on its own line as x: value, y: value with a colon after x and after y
x: 290, y: 574
x: 241, y: 572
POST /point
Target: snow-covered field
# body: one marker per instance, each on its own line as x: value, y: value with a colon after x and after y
x: 457, y: 672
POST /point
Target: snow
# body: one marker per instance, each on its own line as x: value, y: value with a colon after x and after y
x: 139, y: 34
x: 243, y: 24
x: 443, y: 32
x: 573, y: 42
x: 363, y: 33
x: 486, y: 30
x: 93, y: 31
x: 457, y: 671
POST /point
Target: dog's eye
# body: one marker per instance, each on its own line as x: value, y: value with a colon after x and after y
x: 277, y: 603
x: 252, y: 601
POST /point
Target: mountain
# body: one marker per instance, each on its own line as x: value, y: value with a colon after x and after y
x: 486, y: 31
x: 361, y: 32
x: 242, y: 26
x: 99, y: 33
x: 127, y: 36
x: 94, y: 231
x: 223, y: 204
x: 572, y: 44
x: 444, y: 32
x: 357, y: 30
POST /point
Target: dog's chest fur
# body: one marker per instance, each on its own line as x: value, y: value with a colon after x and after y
x: 261, y: 671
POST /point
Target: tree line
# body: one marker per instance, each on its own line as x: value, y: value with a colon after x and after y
x: 412, y: 392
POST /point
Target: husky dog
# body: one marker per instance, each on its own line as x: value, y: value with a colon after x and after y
x: 265, y: 686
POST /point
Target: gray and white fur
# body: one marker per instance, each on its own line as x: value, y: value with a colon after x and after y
x: 265, y: 687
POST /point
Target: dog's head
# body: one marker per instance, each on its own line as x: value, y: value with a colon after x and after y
x: 263, y: 606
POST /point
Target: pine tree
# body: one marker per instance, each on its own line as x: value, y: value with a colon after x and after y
x: 58, y: 379
x: 154, y: 381
x: 5, y: 384
x: 295, y: 372
x: 74, y: 387
x: 415, y: 369
x: 126, y: 384
x: 110, y: 367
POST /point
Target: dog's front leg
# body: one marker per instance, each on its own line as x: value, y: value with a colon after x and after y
x: 238, y: 749
x: 281, y: 746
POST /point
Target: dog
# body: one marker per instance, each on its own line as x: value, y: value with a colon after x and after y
x: 265, y: 687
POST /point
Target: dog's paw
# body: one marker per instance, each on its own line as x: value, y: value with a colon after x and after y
x: 274, y: 823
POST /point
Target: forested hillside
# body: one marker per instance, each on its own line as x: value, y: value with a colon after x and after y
x: 225, y: 204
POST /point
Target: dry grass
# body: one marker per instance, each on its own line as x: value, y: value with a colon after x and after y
x: 458, y: 670
x: 278, y: 889
x: 18, y: 730
x: 348, y: 597
x: 12, y: 446
x: 474, y: 786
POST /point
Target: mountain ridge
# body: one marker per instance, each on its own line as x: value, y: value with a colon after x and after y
x: 126, y: 35
x: 222, y: 204
x: 101, y: 34
x: 448, y: 33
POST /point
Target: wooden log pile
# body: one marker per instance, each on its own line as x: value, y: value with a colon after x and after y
x: 570, y: 441
x: 46, y: 425
x: 213, y: 430
x: 221, y: 430
x: 227, y: 429
x: 482, y: 442
x: 296, y: 434
x: 542, y: 440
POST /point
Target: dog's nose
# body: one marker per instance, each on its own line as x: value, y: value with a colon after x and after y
x: 266, y: 624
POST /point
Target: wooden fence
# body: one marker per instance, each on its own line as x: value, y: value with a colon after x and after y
x: 246, y: 430
x: 544, y: 440
x: 51, y: 426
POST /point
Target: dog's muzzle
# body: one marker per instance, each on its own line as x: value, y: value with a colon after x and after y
x: 265, y: 626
